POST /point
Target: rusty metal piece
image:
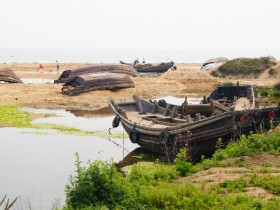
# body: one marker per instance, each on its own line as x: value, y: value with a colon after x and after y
x: 7, y: 75
x: 96, y: 81
x: 67, y: 75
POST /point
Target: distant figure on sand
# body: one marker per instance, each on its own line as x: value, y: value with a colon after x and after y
x: 136, y: 61
x: 57, y: 66
x: 41, y: 68
x: 143, y: 61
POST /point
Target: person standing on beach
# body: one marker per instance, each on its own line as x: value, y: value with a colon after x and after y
x: 41, y: 68
x: 57, y: 66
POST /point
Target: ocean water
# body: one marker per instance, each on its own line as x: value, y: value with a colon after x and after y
x: 34, y: 55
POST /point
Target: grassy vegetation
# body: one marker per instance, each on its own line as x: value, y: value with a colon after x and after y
x: 252, y: 67
x: 271, y: 93
x: 99, y: 185
x: 13, y: 117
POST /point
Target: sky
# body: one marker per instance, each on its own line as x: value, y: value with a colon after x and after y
x: 235, y: 25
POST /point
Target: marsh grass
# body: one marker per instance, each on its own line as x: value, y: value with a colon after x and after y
x: 13, y: 117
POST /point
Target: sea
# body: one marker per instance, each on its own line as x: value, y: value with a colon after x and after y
x: 76, y: 55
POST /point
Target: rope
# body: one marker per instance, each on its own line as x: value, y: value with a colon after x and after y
x: 107, y: 129
x: 118, y: 145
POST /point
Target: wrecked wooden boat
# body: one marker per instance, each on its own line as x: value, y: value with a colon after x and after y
x: 8, y: 76
x: 96, y: 81
x: 163, y: 128
x: 150, y: 68
x: 113, y: 68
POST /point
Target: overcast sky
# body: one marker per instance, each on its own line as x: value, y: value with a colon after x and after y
x: 143, y: 24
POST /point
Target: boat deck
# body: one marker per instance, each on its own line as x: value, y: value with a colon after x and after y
x: 151, y: 120
x: 242, y: 104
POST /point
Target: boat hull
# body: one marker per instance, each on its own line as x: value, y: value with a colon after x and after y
x: 201, y: 138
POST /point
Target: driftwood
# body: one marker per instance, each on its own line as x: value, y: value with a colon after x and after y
x: 96, y: 81
x: 7, y: 75
x: 67, y: 75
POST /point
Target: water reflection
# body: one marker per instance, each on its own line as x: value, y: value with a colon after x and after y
x: 37, y: 166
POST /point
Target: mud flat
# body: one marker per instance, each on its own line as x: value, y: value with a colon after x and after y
x: 188, y: 79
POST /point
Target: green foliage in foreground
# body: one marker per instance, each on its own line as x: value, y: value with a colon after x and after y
x: 245, y: 67
x: 160, y: 186
x: 246, y: 146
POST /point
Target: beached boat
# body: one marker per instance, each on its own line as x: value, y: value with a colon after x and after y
x: 113, y: 68
x: 163, y: 128
x: 150, y: 68
x: 96, y: 81
x: 8, y: 76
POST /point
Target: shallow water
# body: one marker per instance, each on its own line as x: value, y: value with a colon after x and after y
x: 36, y: 164
x: 37, y: 81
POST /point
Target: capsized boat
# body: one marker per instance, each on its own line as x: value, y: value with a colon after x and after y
x: 150, y: 68
x: 112, y: 68
x: 8, y: 76
x: 96, y: 81
x: 163, y: 128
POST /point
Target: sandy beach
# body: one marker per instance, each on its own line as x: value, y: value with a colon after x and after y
x: 188, y: 79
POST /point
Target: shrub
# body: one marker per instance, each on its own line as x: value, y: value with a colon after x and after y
x: 215, y: 73
x: 245, y: 66
x: 97, y: 184
x: 181, y: 163
x: 272, y: 72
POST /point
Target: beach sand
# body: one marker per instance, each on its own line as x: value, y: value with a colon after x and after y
x: 188, y: 79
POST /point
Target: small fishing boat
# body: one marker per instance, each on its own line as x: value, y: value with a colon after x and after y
x: 8, y: 76
x: 113, y: 68
x: 96, y: 81
x: 163, y: 128
x: 150, y: 68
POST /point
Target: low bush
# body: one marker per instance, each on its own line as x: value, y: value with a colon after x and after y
x: 245, y: 66
x: 156, y: 185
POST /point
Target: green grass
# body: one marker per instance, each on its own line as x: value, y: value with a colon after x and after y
x: 9, y: 114
x: 13, y: 117
x: 244, y: 67
x: 161, y: 186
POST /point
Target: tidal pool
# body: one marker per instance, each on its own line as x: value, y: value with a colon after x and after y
x: 36, y: 164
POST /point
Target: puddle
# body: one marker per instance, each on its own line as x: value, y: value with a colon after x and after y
x: 36, y: 164
x: 37, y: 81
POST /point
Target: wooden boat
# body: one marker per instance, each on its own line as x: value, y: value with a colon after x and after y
x: 113, y: 68
x: 96, y: 81
x: 8, y: 76
x: 150, y: 68
x: 163, y: 128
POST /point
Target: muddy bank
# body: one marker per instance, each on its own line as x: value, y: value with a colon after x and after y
x: 188, y: 79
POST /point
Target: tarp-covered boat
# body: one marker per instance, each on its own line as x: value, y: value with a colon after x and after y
x: 147, y: 68
x: 7, y: 75
x: 113, y: 68
x: 163, y: 128
x: 96, y: 81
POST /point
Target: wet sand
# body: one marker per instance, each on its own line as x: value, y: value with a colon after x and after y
x: 188, y: 79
